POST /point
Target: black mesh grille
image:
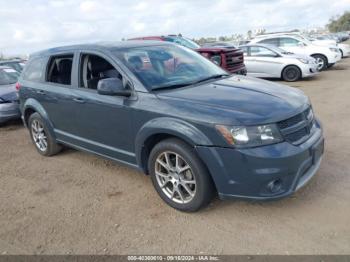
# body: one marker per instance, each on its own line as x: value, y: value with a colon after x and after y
x: 299, y: 134
x: 296, y: 136
x: 291, y: 121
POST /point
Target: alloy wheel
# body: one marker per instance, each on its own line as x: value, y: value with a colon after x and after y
x: 39, y: 136
x: 320, y: 63
x: 175, y: 177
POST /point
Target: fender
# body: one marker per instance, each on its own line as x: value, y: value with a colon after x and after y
x: 33, y: 104
x: 169, y: 126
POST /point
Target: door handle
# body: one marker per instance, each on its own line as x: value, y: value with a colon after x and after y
x: 79, y: 100
x: 40, y: 92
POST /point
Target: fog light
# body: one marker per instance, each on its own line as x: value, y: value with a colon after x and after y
x: 275, y: 185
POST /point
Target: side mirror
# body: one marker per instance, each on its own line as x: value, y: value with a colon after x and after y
x: 112, y: 87
x: 301, y: 44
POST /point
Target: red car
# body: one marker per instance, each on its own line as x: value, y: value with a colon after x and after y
x: 229, y: 58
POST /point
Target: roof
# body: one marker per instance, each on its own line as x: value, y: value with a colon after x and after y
x: 111, y: 46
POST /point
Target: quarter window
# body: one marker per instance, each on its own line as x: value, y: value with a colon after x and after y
x: 34, y: 69
x: 59, y: 69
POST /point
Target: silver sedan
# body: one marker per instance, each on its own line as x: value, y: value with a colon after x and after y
x: 9, y: 106
x: 272, y: 62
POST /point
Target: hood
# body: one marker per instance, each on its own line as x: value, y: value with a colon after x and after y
x: 306, y: 57
x: 8, y: 92
x: 249, y: 100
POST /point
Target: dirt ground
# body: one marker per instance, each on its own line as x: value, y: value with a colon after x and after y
x: 77, y: 203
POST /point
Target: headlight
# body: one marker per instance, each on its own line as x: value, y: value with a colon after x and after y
x: 334, y: 49
x: 250, y: 136
x: 305, y: 61
x: 216, y: 59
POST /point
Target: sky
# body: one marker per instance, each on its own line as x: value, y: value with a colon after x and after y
x: 31, y: 25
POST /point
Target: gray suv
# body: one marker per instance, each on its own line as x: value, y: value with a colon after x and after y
x: 173, y: 114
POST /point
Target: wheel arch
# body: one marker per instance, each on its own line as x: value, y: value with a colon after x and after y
x: 159, y: 129
x: 320, y: 55
x: 33, y: 106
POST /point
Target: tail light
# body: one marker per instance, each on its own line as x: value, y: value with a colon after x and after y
x: 18, y: 86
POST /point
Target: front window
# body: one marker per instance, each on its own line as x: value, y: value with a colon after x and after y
x: 8, y: 76
x: 168, y: 66
x: 183, y: 41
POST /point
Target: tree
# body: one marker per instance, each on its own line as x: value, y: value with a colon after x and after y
x: 340, y: 23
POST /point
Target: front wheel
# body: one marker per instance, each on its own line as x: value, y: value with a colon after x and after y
x: 179, y: 176
x: 291, y: 73
x: 321, y: 62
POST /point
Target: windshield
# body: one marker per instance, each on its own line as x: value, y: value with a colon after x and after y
x: 183, y: 41
x: 8, y: 76
x: 167, y: 66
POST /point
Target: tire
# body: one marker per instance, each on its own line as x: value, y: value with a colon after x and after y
x: 194, y: 176
x: 39, y: 133
x: 291, y: 73
x: 342, y: 54
x: 322, y: 61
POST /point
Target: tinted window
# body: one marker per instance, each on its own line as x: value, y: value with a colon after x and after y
x: 34, y: 69
x: 59, y: 69
x: 271, y: 41
x: 261, y: 52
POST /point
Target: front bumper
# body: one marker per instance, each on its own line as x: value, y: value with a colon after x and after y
x: 262, y: 173
x: 334, y: 57
x: 309, y: 70
x: 9, y: 111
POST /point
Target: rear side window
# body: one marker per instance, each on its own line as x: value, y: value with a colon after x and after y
x: 287, y: 41
x: 271, y: 41
x: 34, y: 69
x: 59, y: 69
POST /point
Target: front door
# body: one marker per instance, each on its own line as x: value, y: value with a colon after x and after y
x: 104, y: 123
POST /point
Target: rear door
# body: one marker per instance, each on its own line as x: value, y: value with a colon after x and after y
x: 55, y: 94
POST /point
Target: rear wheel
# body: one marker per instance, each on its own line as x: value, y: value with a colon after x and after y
x: 321, y: 62
x: 291, y: 73
x: 179, y: 176
x: 41, y: 137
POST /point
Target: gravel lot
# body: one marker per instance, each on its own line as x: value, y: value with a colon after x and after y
x: 77, y: 203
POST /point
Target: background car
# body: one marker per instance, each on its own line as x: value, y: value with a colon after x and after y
x: 231, y: 59
x: 9, y: 106
x: 325, y: 56
x: 18, y: 65
x: 270, y: 61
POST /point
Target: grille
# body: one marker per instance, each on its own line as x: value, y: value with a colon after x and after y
x: 233, y: 59
x: 297, y: 128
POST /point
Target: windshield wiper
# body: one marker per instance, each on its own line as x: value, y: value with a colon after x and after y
x: 171, y: 86
x: 188, y: 84
x: 211, y: 77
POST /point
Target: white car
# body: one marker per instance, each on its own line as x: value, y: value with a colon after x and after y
x: 322, y: 40
x: 269, y: 61
x: 324, y: 55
